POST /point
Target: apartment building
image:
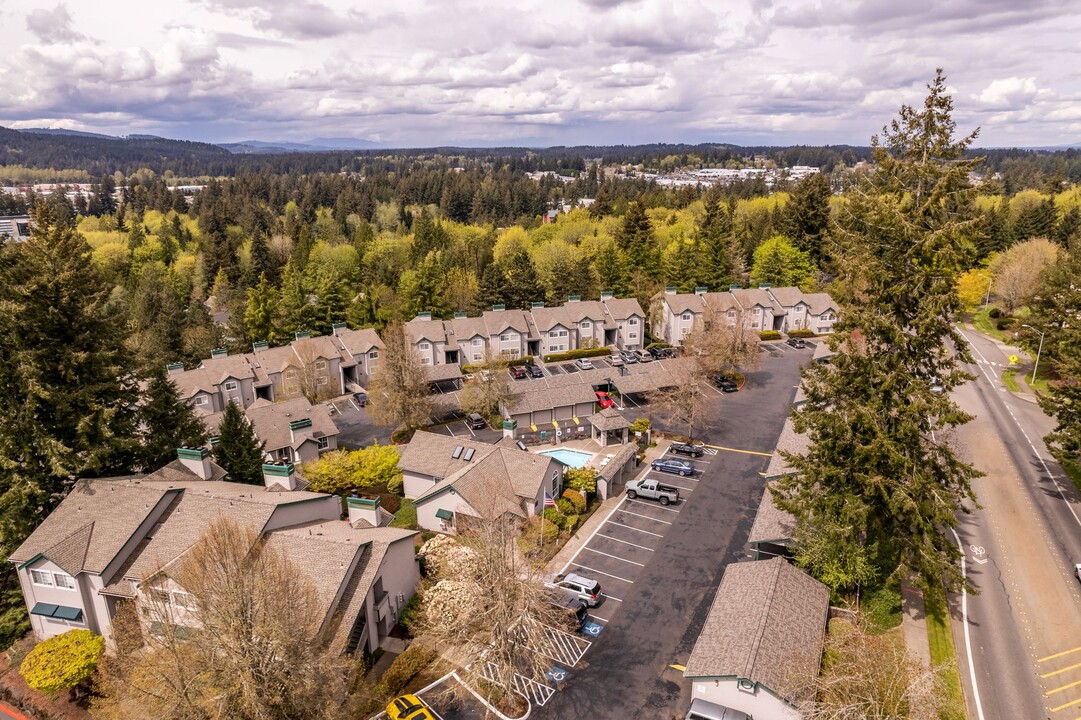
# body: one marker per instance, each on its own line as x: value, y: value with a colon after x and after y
x: 293, y: 431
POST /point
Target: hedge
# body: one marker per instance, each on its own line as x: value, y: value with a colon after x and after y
x: 575, y: 354
x: 994, y: 313
x: 801, y: 333
x: 477, y: 367
x: 1004, y: 323
x: 576, y: 499
x: 658, y: 345
x: 769, y: 335
x: 407, y: 666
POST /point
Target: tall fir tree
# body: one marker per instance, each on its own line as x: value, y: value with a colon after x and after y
x: 491, y: 288
x: 165, y: 422
x: 523, y: 287
x: 237, y: 449
x: 67, y: 387
x: 261, y: 264
x: 805, y: 219
x: 261, y: 313
x: 297, y: 311
x: 714, y: 234
x: 156, y: 319
x: 635, y: 238
x: 880, y: 485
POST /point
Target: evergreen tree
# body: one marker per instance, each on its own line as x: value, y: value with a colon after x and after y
x: 1055, y: 303
x: 366, y: 310
x: 137, y: 235
x: 156, y: 319
x: 491, y: 289
x: 523, y: 287
x: 806, y: 217
x: 612, y: 269
x: 168, y: 246
x: 165, y: 422
x: 67, y: 390
x: 261, y: 312
x: 332, y: 303
x: 1035, y: 220
x: 297, y: 312
x: 422, y: 290
x: 718, y: 264
x: 635, y: 239
x: 779, y: 263
x: 428, y: 236
x: 1068, y: 231
x: 682, y: 264
x: 261, y: 265
x: 878, y: 488
x: 238, y: 450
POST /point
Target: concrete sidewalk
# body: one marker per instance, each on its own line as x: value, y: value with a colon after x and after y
x: 914, y: 624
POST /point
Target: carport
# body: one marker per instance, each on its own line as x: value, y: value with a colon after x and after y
x: 773, y: 528
x: 444, y: 378
x: 615, y: 470
x: 609, y: 425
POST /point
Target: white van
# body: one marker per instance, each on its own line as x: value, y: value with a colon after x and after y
x: 704, y: 710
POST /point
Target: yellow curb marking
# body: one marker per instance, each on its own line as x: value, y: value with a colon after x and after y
x: 1058, y: 655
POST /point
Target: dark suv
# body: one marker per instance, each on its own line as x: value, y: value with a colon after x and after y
x: 535, y: 371
x: 797, y: 343
x: 517, y: 371
x: 686, y: 449
x: 725, y: 383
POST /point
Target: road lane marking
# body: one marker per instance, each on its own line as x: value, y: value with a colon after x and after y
x: 647, y: 517
x: 1058, y: 655
x: 609, y: 537
x: 629, y: 527
x: 601, y: 572
x: 968, y: 637
x: 614, y: 557
x: 1059, y: 672
x: 737, y: 450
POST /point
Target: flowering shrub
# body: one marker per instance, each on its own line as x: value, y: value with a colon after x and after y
x: 445, y: 557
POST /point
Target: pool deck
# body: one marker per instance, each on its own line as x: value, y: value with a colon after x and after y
x: 581, y: 445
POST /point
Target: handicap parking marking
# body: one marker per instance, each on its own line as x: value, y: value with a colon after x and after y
x: 557, y: 675
x: 601, y: 572
x: 609, y: 537
x: 710, y: 451
x: 647, y: 517
x: 631, y: 527
x: 614, y: 557
x: 592, y: 629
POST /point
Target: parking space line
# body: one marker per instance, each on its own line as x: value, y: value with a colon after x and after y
x: 632, y: 402
x: 469, y: 428
x: 664, y: 477
x: 601, y: 572
x: 355, y: 406
x: 595, y: 531
x: 647, y: 517
x: 669, y: 453
x: 614, y: 557
x: 680, y: 487
x: 737, y: 450
x: 447, y: 426
x: 597, y: 617
x: 611, y: 597
x: 609, y: 537
x: 629, y: 527
x: 653, y: 505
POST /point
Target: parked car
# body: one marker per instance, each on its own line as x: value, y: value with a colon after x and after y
x: 705, y: 710
x: 584, y: 363
x: 628, y: 357
x: 664, y: 494
x: 797, y: 343
x: 360, y: 398
x: 672, y: 465
x: 615, y: 359
x: 687, y: 449
x: 660, y: 353
x: 535, y: 371
x: 725, y: 383
x: 518, y: 372
x: 587, y: 589
x: 568, y: 602
x: 409, y: 707
x: 475, y: 421
x: 643, y: 356
x: 604, y: 399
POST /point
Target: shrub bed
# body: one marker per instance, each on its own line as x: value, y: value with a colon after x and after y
x: 769, y: 335
x: 477, y: 367
x: 407, y: 666
x: 575, y: 354
x: 576, y: 499
x: 801, y: 333
x: 658, y: 345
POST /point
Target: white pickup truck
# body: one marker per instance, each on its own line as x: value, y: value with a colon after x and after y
x: 648, y: 488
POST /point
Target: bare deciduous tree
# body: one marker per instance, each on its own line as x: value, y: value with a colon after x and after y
x: 684, y: 402
x: 398, y: 392
x: 312, y: 381
x: 717, y: 346
x: 1017, y: 271
x: 489, y: 388
x: 232, y: 632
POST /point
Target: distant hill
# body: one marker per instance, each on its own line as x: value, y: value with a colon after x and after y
x: 103, y: 154
x: 254, y: 147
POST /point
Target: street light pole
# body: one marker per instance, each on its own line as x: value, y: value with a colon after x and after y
x: 1038, y: 351
x: 987, y: 297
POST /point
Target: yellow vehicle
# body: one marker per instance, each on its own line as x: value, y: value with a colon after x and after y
x: 409, y: 707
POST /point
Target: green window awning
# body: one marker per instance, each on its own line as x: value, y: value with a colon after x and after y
x: 60, y: 612
x: 444, y: 514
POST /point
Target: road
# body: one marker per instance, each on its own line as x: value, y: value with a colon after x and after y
x: 1024, y: 625
x: 626, y: 673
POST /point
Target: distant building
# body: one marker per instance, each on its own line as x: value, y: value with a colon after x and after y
x: 15, y: 227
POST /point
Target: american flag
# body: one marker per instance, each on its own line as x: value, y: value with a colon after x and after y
x: 548, y: 501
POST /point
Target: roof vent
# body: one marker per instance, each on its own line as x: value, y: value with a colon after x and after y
x: 174, y: 367
x: 424, y: 316
x: 536, y: 305
x: 607, y: 294
x: 765, y: 286
x: 459, y: 315
x: 701, y: 290
x: 260, y: 346
x: 735, y: 287
x: 574, y: 298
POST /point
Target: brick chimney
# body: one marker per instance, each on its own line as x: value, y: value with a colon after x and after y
x: 196, y: 460
x: 284, y: 474
x: 363, y: 507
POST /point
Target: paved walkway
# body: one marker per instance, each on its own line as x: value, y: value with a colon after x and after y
x: 914, y: 625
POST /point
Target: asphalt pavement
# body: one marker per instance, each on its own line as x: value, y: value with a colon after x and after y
x: 664, y: 564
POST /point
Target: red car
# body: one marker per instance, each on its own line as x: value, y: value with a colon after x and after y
x: 604, y: 400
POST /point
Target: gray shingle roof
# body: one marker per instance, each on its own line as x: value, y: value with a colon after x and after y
x: 680, y: 303
x: 359, y: 342
x: 767, y: 624
x: 789, y: 441
x: 771, y: 524
x: 749, y: 297
x: 787, y: 296
x: 271, y: 421
x: 819, y: 302
x: 622, y: 308
x: 499, y: 482
x: 446, y: 371
x: 554, y: 397
x: 619, y: 459
x: 609, y: 419
x: 430, y: 454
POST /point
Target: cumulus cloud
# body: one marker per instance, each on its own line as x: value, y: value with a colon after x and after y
x: 1012, y: 92
x: 52, y: 26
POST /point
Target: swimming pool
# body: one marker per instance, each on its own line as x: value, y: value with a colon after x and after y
x: 570, y: 458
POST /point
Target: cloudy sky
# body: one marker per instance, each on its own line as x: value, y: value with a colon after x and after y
x: 538, y: 72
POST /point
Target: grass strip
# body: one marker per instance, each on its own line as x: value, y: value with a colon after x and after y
x: 943, y: 655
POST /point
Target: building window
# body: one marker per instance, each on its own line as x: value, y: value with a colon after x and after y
x: 477, y: 342
x: 425, y: 346
x: 229, y: 385
x: 373, y: 354
x: 478, y: 356
x: 200, y: 400
x: 64, y: 581
x: 585, y: 325
x: 632, y: 322
x: 322, y: 380
x: 320, y: 364
x: 425, y: 361
x: 323, y: 443
x: 632, y: 336
x: 686, y: 316
x: 684, y: 331
x: 183, y: 600
x: 41, y: 577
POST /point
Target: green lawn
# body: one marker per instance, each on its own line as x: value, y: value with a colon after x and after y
x: 406, y: 517
x: 986, y: 324
x: 943, y: 655
x: 1010, y: 378
x: 1042, y: 376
